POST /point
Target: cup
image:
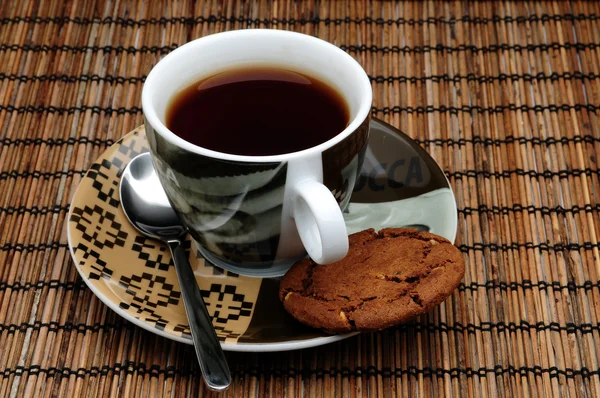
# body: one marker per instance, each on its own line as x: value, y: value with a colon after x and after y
x: 257, y: 215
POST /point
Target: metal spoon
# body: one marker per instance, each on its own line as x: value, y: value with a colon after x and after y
x: 146, y: 206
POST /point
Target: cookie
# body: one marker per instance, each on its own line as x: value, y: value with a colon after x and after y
x: 387, y: 278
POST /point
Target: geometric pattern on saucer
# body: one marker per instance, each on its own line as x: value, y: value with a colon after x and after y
x: 137, y: 273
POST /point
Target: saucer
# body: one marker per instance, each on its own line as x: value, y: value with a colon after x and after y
x: 399, y: 185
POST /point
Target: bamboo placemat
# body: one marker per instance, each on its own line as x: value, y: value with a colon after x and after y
x: 504, y: 95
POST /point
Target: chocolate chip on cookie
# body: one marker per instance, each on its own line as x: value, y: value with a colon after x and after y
x: 387, y: 278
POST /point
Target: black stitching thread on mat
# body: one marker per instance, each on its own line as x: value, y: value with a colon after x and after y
x: 529, y: 285
x: 473, y: 286
x: 73, y: 78
x: 518, y: 208
x: 427, y: 372
x: 471, y: 77
x: 385, y: 110
x: 442, y: 327
x: 56, y: 141
x: 130, y: 367
x: 493, y: 247
x: 510, y: 139
x: 45, y: 175
x: 504, y: 247
x: 303, y: 21
x: 481, y: 209
x: 523, y: 173
x: 480, y: 109
x: 82, y: 49
x: 547, y: 174
x: 134, y: 110
x: 34, y: 210
x: 32, y: 247
x: 466, y: 47
x: 349, y: 48
x: 500, y: 327
x: 67, y: 327
x: 51, y: 284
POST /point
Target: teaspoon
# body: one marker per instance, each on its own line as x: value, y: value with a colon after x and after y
x: 146, y: 206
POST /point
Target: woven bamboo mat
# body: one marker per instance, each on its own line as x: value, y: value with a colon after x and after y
x: 504, y: 95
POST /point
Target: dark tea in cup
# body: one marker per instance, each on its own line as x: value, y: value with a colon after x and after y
x: 257, y: 111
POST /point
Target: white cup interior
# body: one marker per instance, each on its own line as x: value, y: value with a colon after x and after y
x: 216, y: 53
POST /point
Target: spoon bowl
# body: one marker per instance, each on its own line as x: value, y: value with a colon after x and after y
x: 145, y: 202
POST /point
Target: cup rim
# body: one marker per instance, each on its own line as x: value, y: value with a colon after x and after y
x: 152, y: 118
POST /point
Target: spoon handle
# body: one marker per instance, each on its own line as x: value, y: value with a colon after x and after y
x: 208, y: 349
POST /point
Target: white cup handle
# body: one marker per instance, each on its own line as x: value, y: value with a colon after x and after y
x: 320, y: 222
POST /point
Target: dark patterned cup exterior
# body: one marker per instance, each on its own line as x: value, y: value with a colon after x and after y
x: 234, y: 209
x: 241, y: 209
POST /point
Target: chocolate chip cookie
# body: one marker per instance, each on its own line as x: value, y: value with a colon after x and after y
x: 388, y: 277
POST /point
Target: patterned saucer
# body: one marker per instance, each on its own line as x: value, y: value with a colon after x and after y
x: 400, y: 184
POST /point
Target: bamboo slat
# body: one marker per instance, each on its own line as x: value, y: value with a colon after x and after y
x: 504, y: 95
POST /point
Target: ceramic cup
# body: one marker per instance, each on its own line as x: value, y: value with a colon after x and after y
x: 257, y: 215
